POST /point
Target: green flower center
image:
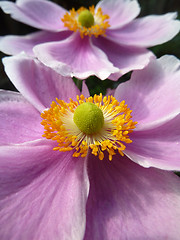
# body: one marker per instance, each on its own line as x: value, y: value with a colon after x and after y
x: 86, y: 19
x: 88, y: 118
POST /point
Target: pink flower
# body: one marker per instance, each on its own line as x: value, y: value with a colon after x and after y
x: 46, y: 194
x: 112, y: 41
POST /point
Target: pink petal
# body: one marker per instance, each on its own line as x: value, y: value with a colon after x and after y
x: 46, y: 194
x: 40, y: 14
x: 39, y: 84
x: 123, y: 57
x: 110, y: 91
x: 20, y: 122
x: 147, y: 31
x: 120, y: 12
x: 85, y: 90
x: 15, y: 44
x: 21, y: 163
x: 127, y: 201
x: 153, y: 93
x: 75, y: 57
x: 158, y: 147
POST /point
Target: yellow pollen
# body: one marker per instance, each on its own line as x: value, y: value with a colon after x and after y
x: 87, y: 22
x: 112, y: 137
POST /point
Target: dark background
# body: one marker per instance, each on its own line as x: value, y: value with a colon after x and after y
x: 10, y: 26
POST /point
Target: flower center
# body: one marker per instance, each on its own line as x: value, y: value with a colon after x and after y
x: 86, y: 19
x: 96, y: 124
x: 88, y: 118
x: 87, y: 22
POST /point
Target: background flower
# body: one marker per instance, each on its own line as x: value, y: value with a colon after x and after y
x: 120, y: 51
x: 47, y: 194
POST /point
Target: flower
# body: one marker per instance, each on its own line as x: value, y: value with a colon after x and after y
x: 51, y: 194
x: 106, y: 41
x: 96, y: 123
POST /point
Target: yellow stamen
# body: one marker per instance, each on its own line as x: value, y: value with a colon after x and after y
x: 112, y: 137
x: 95, y: 28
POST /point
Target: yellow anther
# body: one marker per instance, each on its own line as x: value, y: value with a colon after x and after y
x: 87, y: 22
x: 101, y: 155
x: 59, y: 126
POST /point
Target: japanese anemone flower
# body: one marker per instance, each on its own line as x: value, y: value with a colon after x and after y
x: 106, y: 40
x: 106, y: 177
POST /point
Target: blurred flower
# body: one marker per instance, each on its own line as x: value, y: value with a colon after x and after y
x: 106, y: 41
x: 47, y: 194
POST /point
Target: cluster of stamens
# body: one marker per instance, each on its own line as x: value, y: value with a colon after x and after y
x: 114, y: 134
x: 96, y: 26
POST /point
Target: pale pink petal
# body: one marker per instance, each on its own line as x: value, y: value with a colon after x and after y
x: 147, y: 31
x: 15, y: 44
x: 19, y: 120
x: 43, y: 194
x: 127, y: 201
x: 39, y: 84
x: 85, y: 90
x: 110, y: 91
x: 153, y: 93
x: 158, y: 147
x: 75, y: 56
x: 120, y: 12
x: 40, y: 14
x: 123, y: 57
x: 22, y: 163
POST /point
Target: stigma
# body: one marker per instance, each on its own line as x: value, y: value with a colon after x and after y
x: 94, y: 124
x: 87, y: 22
